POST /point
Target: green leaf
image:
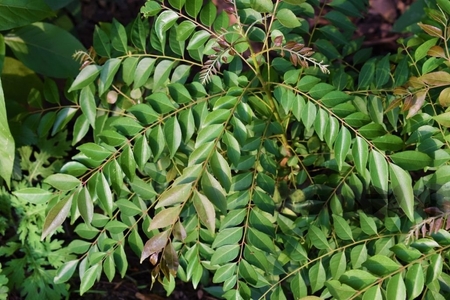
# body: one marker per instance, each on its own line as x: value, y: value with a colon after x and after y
x: 102, y: 42
x: 116, y: 227
x: 382, y: 71
x: 7, y: 150
x: 107, y: 74
x: 381, y: 265
x: 63, y: 118
x: 434, y: 269
x: 317, y: 276
x: 17, y: 13
x: 162, y: 72
x: 151, y: 8
x: 128, y: 163
x: 414, y: 281
x: 167, y: 216
x: 228, y: 236
x: 358, y: 279
x: 287, y: 18
x: 85, y: 205
x: 260, y: 240
x: 65, y: 271
x: 104, y: 194
x: 163, y: 22
x: 46, y: 49
x: 89, y: 277
x: 366, y: 75
x: 208, y: 14
x: 338, y: 290
x: 109, y: 267
x: 342, y: 228
x: 388, y: 142
x: 373, y: 293
x: 214, y: 191
x: 318, y: 238
x: 118, y: 37
x: 378, y: 168
x: 298, y: 286
x: 34, y: 195
x: 360, y: 152
x: 88, y: 105
x: 144, y: 113
x: 247, y: 272
x: 63, y: 182
x: 342, y: 146
x: 205, y: 211
x: 143, y: 71
x: 411, y: 160
x: 368, y: 225
x: 338, y: 264
x: 358, y: 256
x: 225, y: 254
x: 175, y: 195
x: 193, y: 7
x: 57, y: 215
x: 224, y: 272
x: 173, y: 135
x: 86, y: 76
x: 402, y: 189
x: 334, y: 98
x: 445, y: 5
x: 263, y: 6
x: 221, y: 170
x: 396, y: 288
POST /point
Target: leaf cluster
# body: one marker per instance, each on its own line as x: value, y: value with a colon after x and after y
x: 272, y: 157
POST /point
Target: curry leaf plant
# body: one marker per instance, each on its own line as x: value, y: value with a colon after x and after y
x: 260, y: 153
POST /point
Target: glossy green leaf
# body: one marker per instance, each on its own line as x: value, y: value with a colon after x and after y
x: 402, y: 189
x: 143, y: 70
x: 102, y: 42
x: 411, y: 160
x: 104, y: 194
x: 342, y: 228
x: 221, y: 170
x: 342, y: 146
x: 89, y: 277
x: 56, y: 216
x: 317, y: 276
x: 358, y: 256
x: 184, y: 30
x: 173, y: 135
x: 127, y: 162
x: 205, y: 211
x: 396, y: 288
x: 62, y: 182
x: 164, y: 218
x: 162, y: 72
x: 434, y: 269
x: 358, y: 279
x: 366, y: 75
x: 175, y: 195
x: 263, y: 6
x: 378, y: 168
x: 63, y: 117
x: 260, y: 240
x: 331, y: 132
x: 309, y: 115
x: 224, y: 272
x: 107, y: 74
x: 287, y: 18
x: 228, y: 236
x: 318, y: 238
x: 193, y: 7
x: 116, y: 227
x: 163, y: 22
x: 109, y: 267
x: 414, y: 281
x: 373, y: 293
x: 338, y: 264
x: 208, y: 14
x: 360, y: 152
x: 214, y: 191
x: 368, y: 225
x: 34, y: 195
x: 118, y: 37
x: 225, y: 254
x: 65, y: 271
x: 85, y: 205
x: 388, y: 142
x: 144, y: 113
x: 86, y: 76
x: 381, y: 265
x: 338, y: 290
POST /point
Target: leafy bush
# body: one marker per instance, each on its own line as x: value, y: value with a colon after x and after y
x: 269, y: 158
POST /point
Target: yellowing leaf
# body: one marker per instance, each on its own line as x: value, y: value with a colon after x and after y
x: 155, y: 244
x: 205, y: 211
x: 164, y: 218
x: 444, y: 97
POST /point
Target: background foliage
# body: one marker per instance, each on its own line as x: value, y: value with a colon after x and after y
x: 270, y: 158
